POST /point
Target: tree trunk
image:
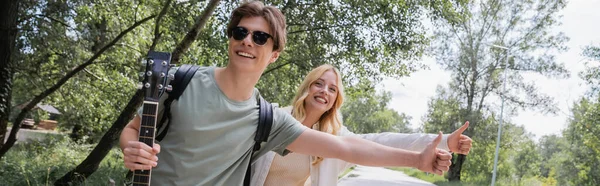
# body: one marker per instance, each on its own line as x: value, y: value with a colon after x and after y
x: 100, y: 40
x: 192, y: 35
x: 12, y: 138
x: 90, y: 164
x: 8, y: 33
x: 454, y: 172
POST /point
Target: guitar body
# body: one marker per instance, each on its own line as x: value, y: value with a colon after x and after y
x: 154, y: 84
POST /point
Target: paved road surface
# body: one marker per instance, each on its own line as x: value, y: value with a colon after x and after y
x: 367, y: 176
x: 27, y: 134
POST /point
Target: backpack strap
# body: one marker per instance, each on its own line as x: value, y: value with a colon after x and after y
x: 265, y: 121
x: 183, y: 76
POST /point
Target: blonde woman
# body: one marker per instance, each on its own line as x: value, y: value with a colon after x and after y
x: 316, y: 105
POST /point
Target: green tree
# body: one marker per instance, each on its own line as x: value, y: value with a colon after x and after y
x: 549, y: 146
x: 465, y: 50
x: 56, y: 36
x: 569, y: 160
x: 55, y: 78
x: 8, y: 33
x: 445, y: 114
x: 367, y: 112
x: 527, y: 160
x: 592, y: 74
x: 582, y: 136
x: 67, y: 32
x: 364, y: 39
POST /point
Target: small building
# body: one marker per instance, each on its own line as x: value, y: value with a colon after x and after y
x: 48, y: 124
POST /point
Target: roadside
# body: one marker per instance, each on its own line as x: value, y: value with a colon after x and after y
x: 28, y: 134
x: 364, y: 175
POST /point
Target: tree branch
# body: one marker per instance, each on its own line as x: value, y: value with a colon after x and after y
x: 157, y: 33
x: 13, y: 133
x: 91, y: 163
x: 277, y: 67
x: 320, y: 28
x: 54, y: 19
x: 192, y: 35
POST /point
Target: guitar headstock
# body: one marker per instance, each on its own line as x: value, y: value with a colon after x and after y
x: 154, y: 77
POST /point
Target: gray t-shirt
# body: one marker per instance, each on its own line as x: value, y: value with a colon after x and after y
x: 210, y: 139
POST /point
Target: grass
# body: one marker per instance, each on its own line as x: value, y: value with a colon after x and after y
x: 442, y: 181
x: 431, y: 178
x: 345, y: 172
x: 41, y: 163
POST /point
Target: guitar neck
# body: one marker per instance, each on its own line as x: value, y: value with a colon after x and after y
x: 146, y: 136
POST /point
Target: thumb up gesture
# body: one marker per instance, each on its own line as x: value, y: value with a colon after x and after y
x: 458, y: 142
x: 435, y: 160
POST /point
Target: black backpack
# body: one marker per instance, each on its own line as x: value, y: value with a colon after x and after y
x: 182, y: 77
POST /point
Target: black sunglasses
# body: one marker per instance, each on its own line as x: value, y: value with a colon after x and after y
x: 259, y: 37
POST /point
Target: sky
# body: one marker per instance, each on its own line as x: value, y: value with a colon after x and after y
x: 580, y: 22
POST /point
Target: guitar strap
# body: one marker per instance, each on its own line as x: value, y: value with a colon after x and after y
x: 183, y: 76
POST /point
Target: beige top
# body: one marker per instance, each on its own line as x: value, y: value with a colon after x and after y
x: 291, y: 170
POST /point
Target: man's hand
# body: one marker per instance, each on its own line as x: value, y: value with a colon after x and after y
x: 139, y: 156
x: 435, y: 160
x: 459, y: 143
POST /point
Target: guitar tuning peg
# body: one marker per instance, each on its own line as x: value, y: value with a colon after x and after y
x: 151, y: 61
x: 147, y: 85
x: 164, y: 63
x: 159, y: 86
x: 162, y: 74
x: 169, y: 88
x: 139, y: 85
x: 149, y: 73
x: 144, y: 62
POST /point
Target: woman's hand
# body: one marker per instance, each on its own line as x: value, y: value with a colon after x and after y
x: 459, y: 143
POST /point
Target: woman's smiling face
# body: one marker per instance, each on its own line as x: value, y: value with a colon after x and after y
x: 323, y: 92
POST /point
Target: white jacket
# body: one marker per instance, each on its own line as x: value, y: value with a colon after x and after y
x: 326, y: 172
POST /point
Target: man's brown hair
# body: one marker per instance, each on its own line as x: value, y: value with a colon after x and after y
x: 274, y: 17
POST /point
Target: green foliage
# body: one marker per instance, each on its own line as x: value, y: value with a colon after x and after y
x: 592, y: 74
x: 40, y: 163
x: 366, y: 40
x: 521, y: 26
x: 524, y: 28
x: 446, y: 114
x: 367, y: 112
x: 550, y: 146
x: 56, y: 36
x: 527, y: 160
x: 583, y: 156
x: 432, y: 178
x: 571, y: 159
x: 444, y: 109
x: 64, y: 35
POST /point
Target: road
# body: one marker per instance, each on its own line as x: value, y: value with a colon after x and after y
x: 367, y: 176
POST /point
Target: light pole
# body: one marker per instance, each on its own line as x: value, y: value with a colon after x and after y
x: 501, y: 112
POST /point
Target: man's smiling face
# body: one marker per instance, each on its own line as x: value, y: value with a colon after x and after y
x: 246, y: 54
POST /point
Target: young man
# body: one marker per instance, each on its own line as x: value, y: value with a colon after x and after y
x: 210, y: 138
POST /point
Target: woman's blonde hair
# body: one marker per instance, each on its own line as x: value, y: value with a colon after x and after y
x: 330, y: 121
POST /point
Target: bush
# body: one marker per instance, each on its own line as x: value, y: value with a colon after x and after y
x: 41, y: 163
